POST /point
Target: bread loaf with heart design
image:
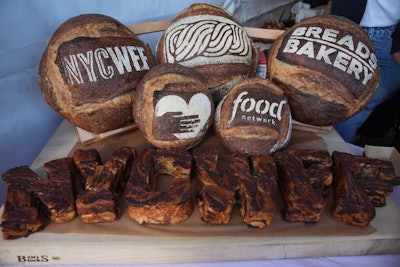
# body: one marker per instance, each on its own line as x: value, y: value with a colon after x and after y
x: 209, y: 39
x: 327, y: 68
x: 173, y: 107
x: 89, y: 69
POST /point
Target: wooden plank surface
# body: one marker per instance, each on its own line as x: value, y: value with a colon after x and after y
x: 161, y: 25
x: 125, y: 242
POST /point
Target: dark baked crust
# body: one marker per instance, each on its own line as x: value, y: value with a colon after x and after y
x: 21, y: 216
x: 222, y: 76
x: 316, y: 165
x: 351, y: 204
x: 376, y: 176
x: 215, y: 192
x: 97, y: 106
x: 318, y: 92
x: 301, y: 202
x: 249, y: 131
x: 182, y: 85
x: 58, y: 194
x: 258, y: 189
x: 31, y: 201
x: 103, y: 183
x: 146, y: 204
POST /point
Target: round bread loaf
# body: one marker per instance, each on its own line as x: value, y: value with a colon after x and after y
x: 254, y: 118
x: 327, y: 68
x: 172, y: 107
x: 209, y: 39
x: 89, y: 69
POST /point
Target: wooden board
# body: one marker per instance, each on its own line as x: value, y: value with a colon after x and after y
x: 157, y: 26
x: 126, y: 242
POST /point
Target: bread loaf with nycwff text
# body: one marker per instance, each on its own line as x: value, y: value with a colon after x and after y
x: 209, y: 39
x: 327, y: 68
x: 172, y: 107
x: 254, y: 118
x: 89, y: 69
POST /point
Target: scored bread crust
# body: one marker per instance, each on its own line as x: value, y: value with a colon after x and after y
x: 254, y: 138
x: 222, y: 76
x: 95, y: 108
x: 169, y: 79
x: 314, y: 96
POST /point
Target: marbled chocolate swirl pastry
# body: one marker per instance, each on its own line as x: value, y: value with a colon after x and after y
x: 376, y: 177
x: 351, y: 204
x: 147, y: 204
x: 301, y: 202
x: 214, y: 191
x: 257, y: 187
x: 104, y: 183
x: 317, y: 164
x: 21, y: 216
x: 31, y: 201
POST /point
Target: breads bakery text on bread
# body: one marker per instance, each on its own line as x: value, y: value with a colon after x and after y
x: 327, y: 68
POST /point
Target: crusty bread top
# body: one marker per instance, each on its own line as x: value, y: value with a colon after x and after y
x: 89, y: 69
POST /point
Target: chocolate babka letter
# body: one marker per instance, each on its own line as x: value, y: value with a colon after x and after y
x: 21, y: 216
x: 104, y: 184
x: 31, y: 200
x: 301, y: 202
x: 317, y: 166
x: 57, y: 192
x: 376, y: 177
x: 258, y: 188
x: 351, y: 204
x: 215, y: 192
x: 147, y: 204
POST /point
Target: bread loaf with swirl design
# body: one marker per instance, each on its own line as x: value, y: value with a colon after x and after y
x: 209, y: 39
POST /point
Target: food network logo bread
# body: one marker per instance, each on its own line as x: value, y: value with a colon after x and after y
x: 102, y: 63
x: 333, y: 51
x: 261, y: 111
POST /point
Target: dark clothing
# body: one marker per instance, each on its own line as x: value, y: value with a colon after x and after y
x: 350, y: 9
x: 396, y: 39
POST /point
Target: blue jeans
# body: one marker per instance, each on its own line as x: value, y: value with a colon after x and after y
x: 389, y: 81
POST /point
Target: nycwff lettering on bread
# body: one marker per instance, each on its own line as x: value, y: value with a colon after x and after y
x: 103, y: 63
x: 89, y: 70
x: 256, y: 110
x: 336, y: 50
